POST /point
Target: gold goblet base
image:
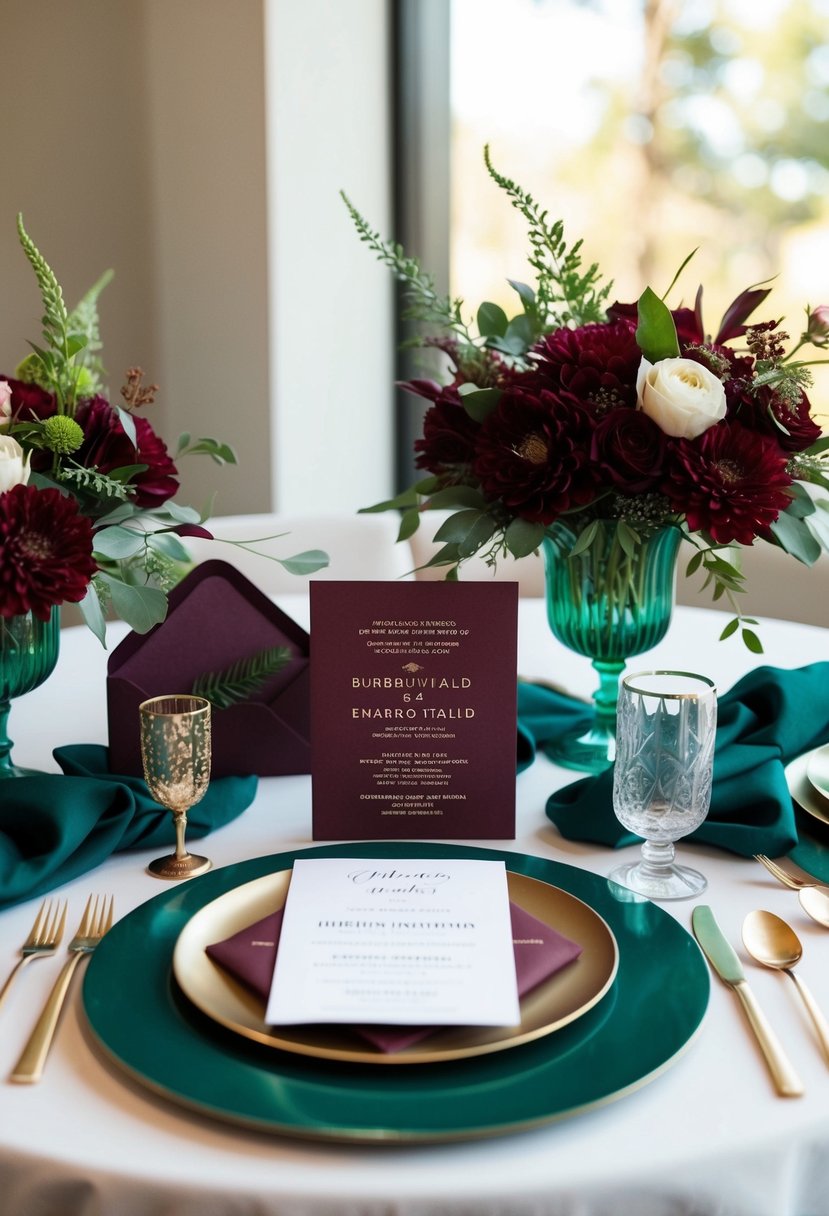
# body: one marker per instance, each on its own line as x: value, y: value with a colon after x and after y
x: 174, y: 867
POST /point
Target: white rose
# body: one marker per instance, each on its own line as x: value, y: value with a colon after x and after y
x: 681, y: 396
x: 14, y: 466
x: 5, y: 402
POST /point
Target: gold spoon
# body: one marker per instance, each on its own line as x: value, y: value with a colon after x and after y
x: 773, y: 943
x: 815, y: 901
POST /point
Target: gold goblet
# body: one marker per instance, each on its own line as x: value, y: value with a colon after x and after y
x: 175, y: 750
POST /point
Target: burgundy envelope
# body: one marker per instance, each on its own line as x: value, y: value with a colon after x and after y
x: 215, y: 617
x: 250, y: 954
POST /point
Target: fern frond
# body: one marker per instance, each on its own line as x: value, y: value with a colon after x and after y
x: 244, y: 677
x: 564, y: 293
x: 422, y: 300
x: 91, y: 480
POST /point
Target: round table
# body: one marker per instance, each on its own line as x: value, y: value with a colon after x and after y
x: 707, y: 1136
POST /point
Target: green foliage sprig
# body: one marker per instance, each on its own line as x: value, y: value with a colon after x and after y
x: 238, y: 682
x: 563, y: 292
x: 423, y: 303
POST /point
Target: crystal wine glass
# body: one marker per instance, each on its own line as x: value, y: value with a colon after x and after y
x: 175, y: 750
x: 662, y: 778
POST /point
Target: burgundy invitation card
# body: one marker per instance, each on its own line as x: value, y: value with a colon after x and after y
x: 413, y: 710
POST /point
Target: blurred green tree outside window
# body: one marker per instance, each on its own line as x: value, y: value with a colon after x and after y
x: 652, y: 128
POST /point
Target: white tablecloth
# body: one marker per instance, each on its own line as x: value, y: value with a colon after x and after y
x: 708, y: 1136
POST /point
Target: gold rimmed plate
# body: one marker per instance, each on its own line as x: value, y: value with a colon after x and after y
x: 803, y: 791
x: 817, y: 771
x: 561, y: 999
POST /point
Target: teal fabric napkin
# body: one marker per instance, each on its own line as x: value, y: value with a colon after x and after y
x: 767, y: 719
x: 53, y: 827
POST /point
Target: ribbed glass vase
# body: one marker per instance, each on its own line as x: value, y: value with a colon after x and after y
x: 608, y: 604
x: 28, y: 654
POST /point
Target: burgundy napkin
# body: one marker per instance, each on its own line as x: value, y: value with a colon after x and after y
x: 250, y: 954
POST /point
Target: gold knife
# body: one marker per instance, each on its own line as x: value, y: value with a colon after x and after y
x: 728, y: 967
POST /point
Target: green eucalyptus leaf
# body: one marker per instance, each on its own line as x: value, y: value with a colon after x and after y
x: 492, y: 320
x: 523, y: 537
x: 128, y: 423
x: 522, y: 330
x: 585, y: 539
x: 407, y: 498
x: 478, y: 535
x: 117, y: 542
x: 693, y: 565
x: 656, y: 331
x: 140, y: 607
x: 448, y: 554
x: 168, y: 544
x: 732, y: 627
x: 179, y: 514
x: 307, y: 562
x: 480, y: 404
x: 628, y: 539
x: 126, y: 472
x: 802, y: 503
x: 752, y: 641
x: 795, y: 537
x: 457, y: 496
x: 92, y: 613
x: 409, y: 523
x: 525, y: 293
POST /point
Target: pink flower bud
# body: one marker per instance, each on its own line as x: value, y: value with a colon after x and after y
x: 818, y: 327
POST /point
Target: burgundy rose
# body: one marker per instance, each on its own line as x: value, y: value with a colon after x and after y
x: 730, y: 482
x: 532, y: 455
x: 596, y: 364
x: 630, y: 450
x: 107, y: 447
x: 45, y: 551
x: 764, y: 409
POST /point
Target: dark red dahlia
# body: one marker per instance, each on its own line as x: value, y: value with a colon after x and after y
x: 107, y: 447
x: 730, y: 482
x: 533, y: 455
x: 45, y: 551
x: 30, y: 401
x: 596, y: 364
x: 448, y: 441
x: 763, y: 409
x: 630, y: 450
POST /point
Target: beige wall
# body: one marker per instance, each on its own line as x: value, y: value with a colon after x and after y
x: 133, y: 136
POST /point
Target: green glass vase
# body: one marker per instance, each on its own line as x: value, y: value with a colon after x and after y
x: 609, y: 605
x: 28, y: 654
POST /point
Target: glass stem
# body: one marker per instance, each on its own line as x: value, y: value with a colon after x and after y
x: 607, y: 694
x: 657, y: 857
x: 180, y: 821
x: 6, y: 765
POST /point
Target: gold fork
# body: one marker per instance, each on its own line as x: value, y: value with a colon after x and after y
x: 787, y: 879
x: 96, y: 920
x: 44, y: 939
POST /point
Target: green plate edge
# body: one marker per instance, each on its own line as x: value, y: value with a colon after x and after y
x: 144, y: 1024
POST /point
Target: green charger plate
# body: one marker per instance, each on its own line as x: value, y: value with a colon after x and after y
x: 146, y: 1025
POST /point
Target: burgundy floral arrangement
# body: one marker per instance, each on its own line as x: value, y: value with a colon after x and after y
x: 624, y: 416
x: 87, y: 510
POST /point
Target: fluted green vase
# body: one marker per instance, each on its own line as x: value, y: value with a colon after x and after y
x: 28, y: 654
x: 609, y: 604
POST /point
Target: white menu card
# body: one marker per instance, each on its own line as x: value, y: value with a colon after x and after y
x: 396, y: 941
